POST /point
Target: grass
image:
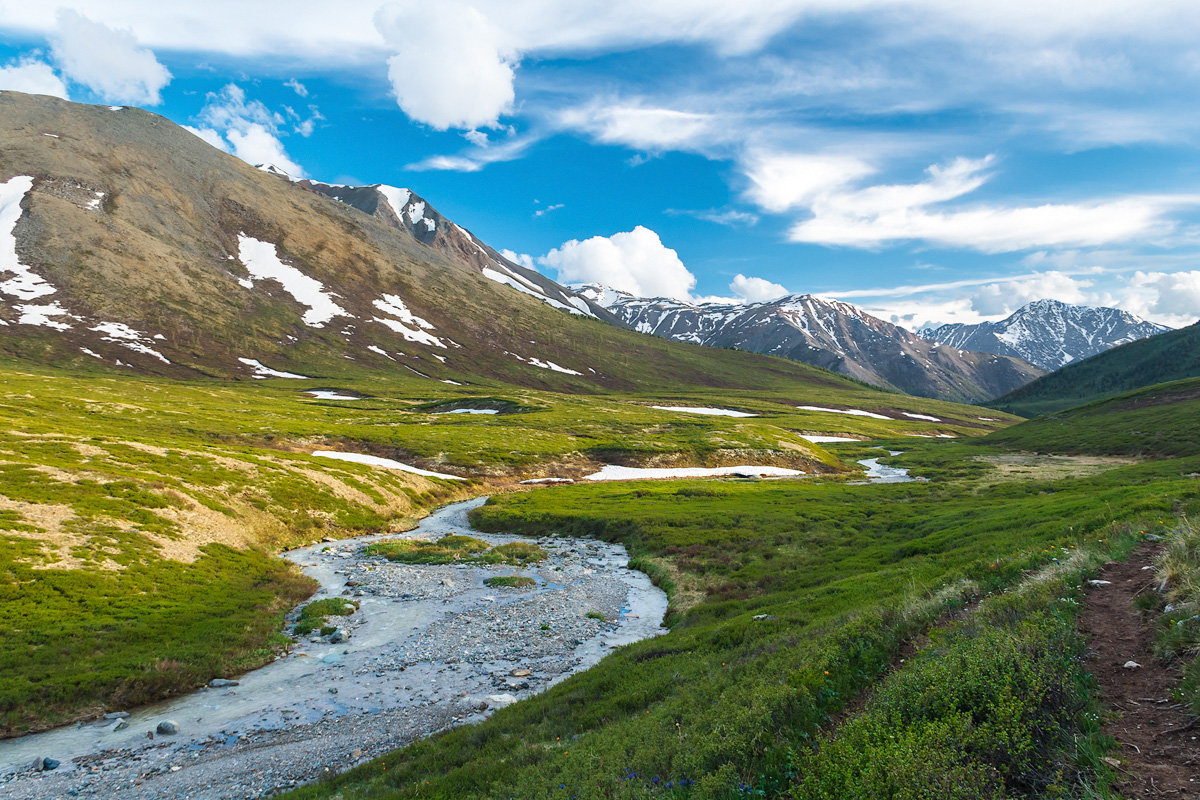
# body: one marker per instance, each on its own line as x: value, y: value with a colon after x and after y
x: 1178, y: 573
x: 839, y: 576
x: 314, y: 615
x: 511, y: 581
x: 455, y: 549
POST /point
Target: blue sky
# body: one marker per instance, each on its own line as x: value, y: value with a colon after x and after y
x: 929, y: 160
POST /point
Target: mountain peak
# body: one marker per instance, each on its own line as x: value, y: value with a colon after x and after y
x: 1049, y: 333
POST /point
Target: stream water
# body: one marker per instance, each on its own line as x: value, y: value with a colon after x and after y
x: 429, y: 645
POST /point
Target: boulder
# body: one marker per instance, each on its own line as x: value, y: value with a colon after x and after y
x: 167, y: 728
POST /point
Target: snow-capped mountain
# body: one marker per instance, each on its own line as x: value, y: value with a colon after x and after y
x: 1049, y: 333
x: 826, y: 333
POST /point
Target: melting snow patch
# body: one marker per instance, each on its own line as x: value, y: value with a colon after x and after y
x: 547, y: 480
x: 988, y: 419
x: 469, y: 411
x: 379, y: 351
x: 376, y: 461
x: 396, y: 197
x: 116, y: 108
x: 920, y: 416
x: 25, y: 284
x: 261, y: 371
x: 531, y: 289
x: 711, y: 412
x: 40, y: 315
x: 126, y: 336
x: 51, y: 135
x: 550, y: 365
x: 824, y: 439
x: 416, y: 212
x: 851, y: 411
x: 612, y: 472
x: 262, y: 261
x: 91, y: 353
x: 407, y: 324
x: 430, y: 225
x: 447, y: 380
x: 321, y: 394
x: 94, y: 203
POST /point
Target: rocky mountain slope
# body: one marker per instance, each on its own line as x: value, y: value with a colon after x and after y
x: 829, y: 334
x: 1049, y: 333
x: 126, y: 242
x: 1170, y: 356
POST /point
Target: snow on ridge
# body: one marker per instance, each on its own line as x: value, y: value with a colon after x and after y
x: 376, y: 461
x: 406, y: 323
x: 854, y: 412
x: 396, y: 197
x: 612, y: 472
x: 261, y: 260
x: 416, y: 212
x: 712, y: 412
x: 129, y: 338
x: 24, y: 284
x: 524, y: 286
x: 262, y: 371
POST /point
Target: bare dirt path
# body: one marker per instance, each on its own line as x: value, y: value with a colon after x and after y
x: 1158, y: 741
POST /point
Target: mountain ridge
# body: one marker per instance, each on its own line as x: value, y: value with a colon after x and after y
x: 827, y: 333
x: 1049, y: 333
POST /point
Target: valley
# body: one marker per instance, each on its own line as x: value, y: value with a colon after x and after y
x: 460, y: 531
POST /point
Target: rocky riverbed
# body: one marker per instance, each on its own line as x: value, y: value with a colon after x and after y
x: 427, y: 648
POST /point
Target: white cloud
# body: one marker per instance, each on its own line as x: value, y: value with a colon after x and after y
x: 33, y: 77
x: 246, y: 128
x: 756, y: 290
x: 633, y: 261
x: 639, y: 126
x: 782, y: 181
x: 727, y: 216
x: 297, y: 87
x: 108, y: 61
x: 1002, y: 298
x: 524, y: 259
x: 1170, y: 298
x: 453, y: 68
x: 838, y: 213
x: 541, y: 212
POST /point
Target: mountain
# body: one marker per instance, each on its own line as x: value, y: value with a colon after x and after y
x: 1170, y: 356
x: 128, y: 243
x: 1049, y: 333
x: 826, y: 333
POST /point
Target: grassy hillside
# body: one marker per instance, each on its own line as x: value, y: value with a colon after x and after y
x: 1170, y: 356
x: 1157, y: 421
x: 789, y: 599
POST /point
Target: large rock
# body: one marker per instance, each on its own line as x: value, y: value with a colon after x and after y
x: 167, y: 728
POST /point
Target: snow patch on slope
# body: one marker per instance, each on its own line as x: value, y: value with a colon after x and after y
x: 261, y: 371
x: 406, y: 323
x: 261, y: 260
x: 24, y: 284
x: 135, y: 340
x: 387, y: 463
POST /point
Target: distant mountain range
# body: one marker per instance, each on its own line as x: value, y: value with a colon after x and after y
x: 826, y: 333
x: 1049, y: 333
x: 1170, y: 356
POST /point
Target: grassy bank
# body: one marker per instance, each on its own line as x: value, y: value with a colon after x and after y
x: 788, y: 599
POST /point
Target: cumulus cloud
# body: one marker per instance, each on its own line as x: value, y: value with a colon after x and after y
x: 452, y: 69
x: 108, y: 61
x: 32, y: 76
x: 756, y: 290
x: 633, y: 261
x: 524, y: 259
x: 246, y: 128
x: 1167, y: 296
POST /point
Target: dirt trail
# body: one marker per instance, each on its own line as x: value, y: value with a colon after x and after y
x: 1158, y: 741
